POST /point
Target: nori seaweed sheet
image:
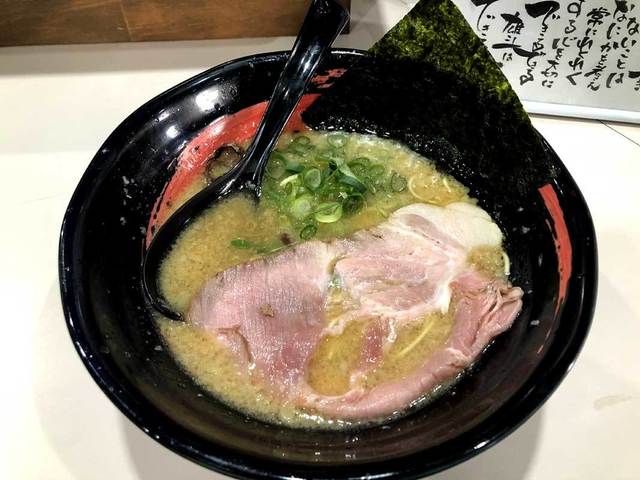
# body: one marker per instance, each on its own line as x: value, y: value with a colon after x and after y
x: 435, y: 32
x: 431, y: 84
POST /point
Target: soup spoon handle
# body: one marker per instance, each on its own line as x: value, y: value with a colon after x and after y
x: 323, y: 23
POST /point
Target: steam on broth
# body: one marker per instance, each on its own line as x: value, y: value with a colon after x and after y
x: 319, y: 186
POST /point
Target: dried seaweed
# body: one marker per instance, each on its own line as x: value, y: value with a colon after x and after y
x: 431, y: 84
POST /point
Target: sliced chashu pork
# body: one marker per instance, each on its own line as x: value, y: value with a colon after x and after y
x: 272, y: 312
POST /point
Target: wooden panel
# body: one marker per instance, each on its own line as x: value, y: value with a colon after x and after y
x: 32, y: 22
x: 29, y: 22
x: 179, y: 19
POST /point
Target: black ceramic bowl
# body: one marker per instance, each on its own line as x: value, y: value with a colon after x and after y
x: 101, y: 250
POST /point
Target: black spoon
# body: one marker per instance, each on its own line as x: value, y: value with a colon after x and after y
x: 322, y: 24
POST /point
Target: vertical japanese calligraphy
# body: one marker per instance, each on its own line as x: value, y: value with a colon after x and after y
x: 583, y: 45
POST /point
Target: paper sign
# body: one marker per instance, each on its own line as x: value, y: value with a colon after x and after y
x: 566, y: 57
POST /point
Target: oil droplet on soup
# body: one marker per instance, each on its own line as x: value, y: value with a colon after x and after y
x: 237, y: 231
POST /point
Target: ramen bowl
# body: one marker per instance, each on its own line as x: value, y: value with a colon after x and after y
x: 550, y: 240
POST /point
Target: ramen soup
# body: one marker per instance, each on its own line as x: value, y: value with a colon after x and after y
x: 363, y: 283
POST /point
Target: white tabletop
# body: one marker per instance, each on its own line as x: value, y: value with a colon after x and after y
x: 58, y: 104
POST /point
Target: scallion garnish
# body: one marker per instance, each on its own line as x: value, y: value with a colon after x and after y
x: 300, y: 145
x: 275, y: 168
x: 241, y: 243
x: 353, y: 181
x: 301, y: 207
x: 337, y: 140
x: 292, y: 165
x: 398, y: 182
x: 328, y: 212
x: 308, y: 232
x: 312, y: 178
x: 289, y: 179
x: 358, y: 168
x: 353, y: 204
x: 289, y: 190
x: 312, y: 184
x: 302, y: 140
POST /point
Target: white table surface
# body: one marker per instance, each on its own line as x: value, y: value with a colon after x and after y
x: 59, y: 103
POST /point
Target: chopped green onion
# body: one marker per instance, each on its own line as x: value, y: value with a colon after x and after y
x: 292, y: 165
x: 328, y: 212
x: 382, y: 212
x: 398, y: 182
x: 277, y: 155
x: 345, y: 170
x: 371, y: 187
x: 301, y: 207
x: 335, y: 161
x: 312, y: 178
x: 337, y: 140
x: 350, y: 178
x: 313, y: 185
x: 302, y: 140
x: 327, y: 178
x: 241, y: 243
x: 353, y: 204
x: 300, y: 146
x: 289, y: 179
x: 275, y: 168
x: 354, y: 182
x: 358, y: 168
x: 308, y: 232
x: 328, y: 155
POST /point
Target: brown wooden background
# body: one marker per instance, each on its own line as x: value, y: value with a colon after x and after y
x: 35, y: 22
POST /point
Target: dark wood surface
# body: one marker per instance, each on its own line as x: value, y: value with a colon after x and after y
x: 24, y: 22
x: 37, y: 22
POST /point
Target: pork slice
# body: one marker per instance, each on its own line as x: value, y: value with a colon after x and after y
x: 484, y: 309
x: 402, y: 269
x: 270, y: 312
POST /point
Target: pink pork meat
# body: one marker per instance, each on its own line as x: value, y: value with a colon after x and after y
x: 271, y: 312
